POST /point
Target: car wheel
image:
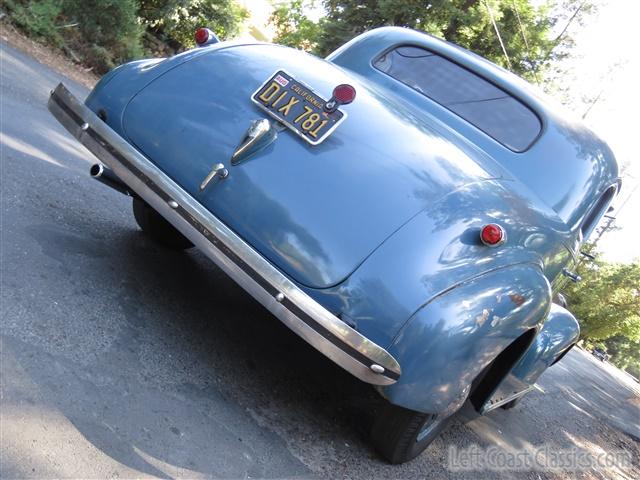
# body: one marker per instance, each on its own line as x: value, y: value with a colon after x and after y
x: 400, y: 434
x: 511, y: 404
x: 154, y: 225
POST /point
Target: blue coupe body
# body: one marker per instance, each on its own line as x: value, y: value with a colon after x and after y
x: 368, y: 244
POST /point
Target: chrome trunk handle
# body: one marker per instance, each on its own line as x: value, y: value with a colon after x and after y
x: 218, y: 170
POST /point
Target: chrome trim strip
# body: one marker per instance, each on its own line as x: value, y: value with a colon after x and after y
x: 487, y: 407
x: 319, y: 327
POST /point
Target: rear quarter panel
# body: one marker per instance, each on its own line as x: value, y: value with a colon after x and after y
x: 450, y: 340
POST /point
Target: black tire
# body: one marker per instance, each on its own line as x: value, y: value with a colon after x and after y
x: 511, y: 404
x: 397, y: 432
x: 154, y: 225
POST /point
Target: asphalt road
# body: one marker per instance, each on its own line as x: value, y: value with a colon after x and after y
x: 122, y: 359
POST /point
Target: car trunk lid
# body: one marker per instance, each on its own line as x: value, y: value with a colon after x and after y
x: 316, y: 212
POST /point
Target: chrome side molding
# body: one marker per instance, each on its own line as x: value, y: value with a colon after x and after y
x: 301, y: 313
x: 493, y: 404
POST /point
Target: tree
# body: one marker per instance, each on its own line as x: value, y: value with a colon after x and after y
x: 625, y: 353
x: 512, y: 33
x: 177, y: 20
x: 607, y: 300
x: 110, y: 32
x: 294, y: 29
x: 100, y: 33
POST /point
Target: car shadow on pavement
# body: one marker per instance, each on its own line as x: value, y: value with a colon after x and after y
x: 189, y: 343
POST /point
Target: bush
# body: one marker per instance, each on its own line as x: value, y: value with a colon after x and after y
x: 38, y: 18
x: 99, y: 58
x: 108, y: 32
x: 104, y: 33
x: 100, y: 33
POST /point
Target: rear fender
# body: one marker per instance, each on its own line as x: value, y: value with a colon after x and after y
x: 448, y: 342
x: 113, y: 92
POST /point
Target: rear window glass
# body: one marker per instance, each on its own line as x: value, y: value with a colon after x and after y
x: 473, y: 98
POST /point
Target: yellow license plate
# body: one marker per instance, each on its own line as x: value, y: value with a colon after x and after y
x: 297, y: 106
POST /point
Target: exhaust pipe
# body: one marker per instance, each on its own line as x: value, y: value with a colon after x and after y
x: 105, y: 175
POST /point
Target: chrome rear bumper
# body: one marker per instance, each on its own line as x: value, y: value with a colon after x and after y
x: 310, y: 320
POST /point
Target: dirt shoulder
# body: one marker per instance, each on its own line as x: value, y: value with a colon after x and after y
x: 46, y: 55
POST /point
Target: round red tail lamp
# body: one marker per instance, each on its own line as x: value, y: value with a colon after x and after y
x: 202, y: 35
x: 344, y: 94
x: 492, y: 235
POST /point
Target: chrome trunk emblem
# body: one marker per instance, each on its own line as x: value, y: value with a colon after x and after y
x: 260, y: 134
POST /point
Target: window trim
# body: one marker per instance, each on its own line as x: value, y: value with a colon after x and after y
x: 597, y: 211
x: 517, y: 97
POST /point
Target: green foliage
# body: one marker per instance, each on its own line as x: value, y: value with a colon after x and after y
x: 105, y: 33
x: 524, y: 28
x: 176, y: 21
x: 294, y: 29
x: 37, y: 18
x: 607, y: 304
x: 109, y: 30
x: 99, y: 58
x: 100, y: 33
x: 625, y: 354
x: 607, y: 300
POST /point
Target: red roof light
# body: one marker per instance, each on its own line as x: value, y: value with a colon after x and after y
x: 492, y: 235
x: 202, y: 35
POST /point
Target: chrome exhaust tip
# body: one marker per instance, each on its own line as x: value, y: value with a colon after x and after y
x: 105, y: 175
x: 96, y: 170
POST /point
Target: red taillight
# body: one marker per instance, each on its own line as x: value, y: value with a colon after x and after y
x: 202, y: 35
x: 344, y: 94
x: 492, y: 235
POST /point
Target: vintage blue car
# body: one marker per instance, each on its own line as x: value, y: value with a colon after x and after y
x: 405, y: 206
